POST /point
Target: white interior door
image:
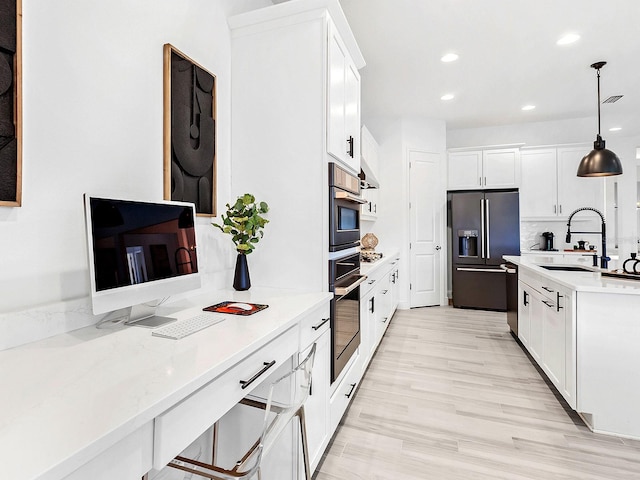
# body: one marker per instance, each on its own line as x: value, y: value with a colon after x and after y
x: 426, y: 221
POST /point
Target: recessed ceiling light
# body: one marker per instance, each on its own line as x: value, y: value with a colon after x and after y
x: 449, y: 57
x: 615, y: 129
x: 448, y: 96
x: 528, y: 107
x: 568, y: 39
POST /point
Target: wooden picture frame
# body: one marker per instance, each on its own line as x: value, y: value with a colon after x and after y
x: 11, y: 104
x: 190, y: 159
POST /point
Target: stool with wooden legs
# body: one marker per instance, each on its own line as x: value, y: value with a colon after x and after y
x: 277, y: 415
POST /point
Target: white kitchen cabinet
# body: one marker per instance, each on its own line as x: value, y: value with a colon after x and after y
x: 484, y: 169
x: 369, y: 210
x: 550, y: 188
x: 283, y: 124
x: 343, y: 109
x: 548, y: 330
x: 317, y: 405
x: 524, y: 313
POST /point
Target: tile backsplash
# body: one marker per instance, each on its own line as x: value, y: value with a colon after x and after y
x: 531, y: 233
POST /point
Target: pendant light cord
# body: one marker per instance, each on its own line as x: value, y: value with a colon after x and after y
x: 598, y: 71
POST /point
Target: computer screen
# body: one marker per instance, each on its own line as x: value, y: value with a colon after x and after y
x: 139, y: 251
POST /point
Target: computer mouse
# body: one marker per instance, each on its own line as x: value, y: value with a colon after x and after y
x: 241, y: 306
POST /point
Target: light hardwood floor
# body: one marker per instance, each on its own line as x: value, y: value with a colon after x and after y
x: 450, y: 395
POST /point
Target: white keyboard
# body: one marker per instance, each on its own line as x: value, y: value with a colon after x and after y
x: 183, y: 328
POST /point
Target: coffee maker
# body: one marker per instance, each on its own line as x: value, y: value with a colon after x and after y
x: 547, y: 242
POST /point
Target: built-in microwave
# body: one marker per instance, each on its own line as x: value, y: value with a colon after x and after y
x: 344, y: 209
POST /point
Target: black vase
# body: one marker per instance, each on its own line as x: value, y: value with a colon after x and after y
x: 241, y: 280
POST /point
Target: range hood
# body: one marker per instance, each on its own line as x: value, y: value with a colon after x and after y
x: 367, y: 179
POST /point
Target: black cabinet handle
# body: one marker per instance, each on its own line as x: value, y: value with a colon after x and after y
x: 384, y: 292
x: 548, y: 289
x: 348, y: 395
x: 558, y: 297
x: 548, y: 304
x: 526, y: 298
x: 267, y: 366
x: 384, y: 320
x: 318, y: 326
x: 350, y: 143
x: 372, y: 308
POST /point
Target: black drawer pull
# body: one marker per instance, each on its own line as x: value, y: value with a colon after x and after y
x: 348, y: 395
x: 548, y: 304
x: 384, y: 292
x: 318, y: 326
x: 385, y: 319
x: 267, y: 366
x: 548, y: 289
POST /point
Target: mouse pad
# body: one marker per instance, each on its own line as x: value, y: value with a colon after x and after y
x: 223, y: 307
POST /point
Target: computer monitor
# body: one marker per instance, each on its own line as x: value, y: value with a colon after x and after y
x: 139, y: 252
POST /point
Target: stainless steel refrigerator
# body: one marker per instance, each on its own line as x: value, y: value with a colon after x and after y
x: 485, y: 225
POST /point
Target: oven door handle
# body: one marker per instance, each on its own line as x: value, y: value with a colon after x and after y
x: 341, y: 291
x: 348, y: 196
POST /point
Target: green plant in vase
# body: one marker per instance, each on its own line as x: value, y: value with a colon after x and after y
x: 245, y: 223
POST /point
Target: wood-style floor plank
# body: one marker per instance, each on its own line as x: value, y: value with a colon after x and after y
x: 450, y: 395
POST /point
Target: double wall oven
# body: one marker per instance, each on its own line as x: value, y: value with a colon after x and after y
x: 344, y: 269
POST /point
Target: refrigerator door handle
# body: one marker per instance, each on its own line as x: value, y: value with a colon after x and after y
x: 490, y: 270
x: 488, y: 249
x: 482, y: 236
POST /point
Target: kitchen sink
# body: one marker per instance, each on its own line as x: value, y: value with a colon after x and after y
x: 567, y: 268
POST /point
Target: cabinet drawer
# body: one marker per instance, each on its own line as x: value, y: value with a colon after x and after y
x: 176, y: 428
x: 343, y: 394
x: 314, y: 325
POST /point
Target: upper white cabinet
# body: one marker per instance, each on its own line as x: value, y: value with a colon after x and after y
x: 343, y: 109
x: 484, y: 169
x: 550, y: 188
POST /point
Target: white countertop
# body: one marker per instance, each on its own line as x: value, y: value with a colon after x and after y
x: 69, y: 397
x: 367, y: 268
x: 591, y: 281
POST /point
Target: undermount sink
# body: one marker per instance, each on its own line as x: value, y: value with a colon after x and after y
x: 567, y: 268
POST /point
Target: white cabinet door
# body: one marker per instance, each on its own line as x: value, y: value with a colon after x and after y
x: 573, y: 191
x: 317, y: 405
x: 553, y: 340
x: 369, y: 210
x: 535, y: 326
x: 524, y: 313
x: 538, y: 189
x: 501, y: 168
x: 367, y: 327
x: 343, y: 104
x: 464, y: 170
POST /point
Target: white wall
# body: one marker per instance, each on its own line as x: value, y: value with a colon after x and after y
x: 396, y: 137
x: 92, y: 108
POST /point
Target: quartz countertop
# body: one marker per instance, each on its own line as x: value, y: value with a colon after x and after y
x: 69, y: 397
x: 586, y: 281
x: 368, y: 268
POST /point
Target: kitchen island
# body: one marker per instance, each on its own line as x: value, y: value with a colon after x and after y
x: 582, y: 330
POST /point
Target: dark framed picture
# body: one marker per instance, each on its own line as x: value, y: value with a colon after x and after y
x: 10, y: 103
x: 189, y: 132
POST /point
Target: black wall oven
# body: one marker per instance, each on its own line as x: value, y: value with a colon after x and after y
x: 344, y: 282
x: 344, y: 209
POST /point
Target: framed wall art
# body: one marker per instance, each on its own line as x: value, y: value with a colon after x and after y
x: 189, y: 132
x: 10, y: 103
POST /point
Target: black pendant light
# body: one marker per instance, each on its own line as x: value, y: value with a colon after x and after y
x: 600, y: 162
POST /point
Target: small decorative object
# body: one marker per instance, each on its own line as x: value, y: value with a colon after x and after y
x: 244, y: 222
x: 189, y: 132
x: 369, y: 243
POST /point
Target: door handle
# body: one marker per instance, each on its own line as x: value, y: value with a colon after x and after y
x: 438, y: 247
x: 482, y: 237
x: 488, y: 248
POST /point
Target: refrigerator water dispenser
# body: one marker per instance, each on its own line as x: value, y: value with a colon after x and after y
x: 467, y: 243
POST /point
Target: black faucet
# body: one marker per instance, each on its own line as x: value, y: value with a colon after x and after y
x: 604, y: 260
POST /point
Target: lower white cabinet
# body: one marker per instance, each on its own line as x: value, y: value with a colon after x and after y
x: 546, y: 323
x: 343, y: 390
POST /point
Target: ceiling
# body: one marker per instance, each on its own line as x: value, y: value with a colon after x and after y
x: 508, y: 58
